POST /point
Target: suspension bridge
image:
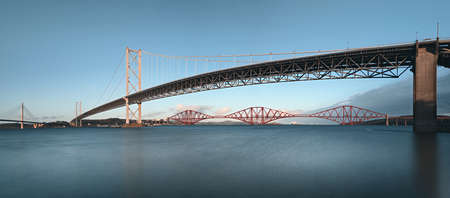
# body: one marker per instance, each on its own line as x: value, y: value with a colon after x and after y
x: 167, y: 77
x: 344, y: 115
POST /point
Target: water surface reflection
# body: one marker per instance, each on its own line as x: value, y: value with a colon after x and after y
x: 225, y: 161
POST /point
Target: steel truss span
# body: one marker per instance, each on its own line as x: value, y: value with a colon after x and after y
x: 375, y: 62
x: 189, y: 117
x: 259, y: 115
x: 344, y: 115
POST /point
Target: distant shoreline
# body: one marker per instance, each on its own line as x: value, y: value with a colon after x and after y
x: 444, y: 122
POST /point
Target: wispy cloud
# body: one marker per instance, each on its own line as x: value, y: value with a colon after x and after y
x: 200, y: 108
x: 157, y: 114
x: 50, y: 118
x: 397, y: 98
x: 394, y: 99
x: 223, y: 110
x: 294, y: 111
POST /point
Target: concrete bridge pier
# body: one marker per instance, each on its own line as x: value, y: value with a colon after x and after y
x: 425, y: 111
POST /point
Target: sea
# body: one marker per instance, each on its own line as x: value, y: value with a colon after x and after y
x: 224, y: 161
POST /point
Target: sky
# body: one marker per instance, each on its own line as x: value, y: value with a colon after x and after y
x: 54, y: 53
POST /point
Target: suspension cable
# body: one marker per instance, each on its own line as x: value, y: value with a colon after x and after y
x: 245, y: 55
x: 278, y: 53
x: 115, y: 89
x: 11, y: 112
x: 110, y: 80
x: 28, y: 113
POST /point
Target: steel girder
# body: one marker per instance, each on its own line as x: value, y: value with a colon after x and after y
x: 189, y: 117
x: 259, y: 115
x: 347, y: 115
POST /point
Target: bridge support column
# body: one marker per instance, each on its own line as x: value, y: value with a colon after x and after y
x: 139, y: 121
x: 76, y: 114
x: 81, y: 121
x: 425, y: 111
x: 387, y: 119
x: 127, y: 106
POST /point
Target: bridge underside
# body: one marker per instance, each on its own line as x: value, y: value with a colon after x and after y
x: 444, y: 59
x: 376, y: 62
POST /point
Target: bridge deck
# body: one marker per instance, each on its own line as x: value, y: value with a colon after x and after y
x: 372, y: 62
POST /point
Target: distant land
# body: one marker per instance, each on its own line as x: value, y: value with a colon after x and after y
x: 56, y: 124
x: 406, y: 120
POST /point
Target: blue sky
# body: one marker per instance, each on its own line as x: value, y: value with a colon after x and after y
x: 54, y: 53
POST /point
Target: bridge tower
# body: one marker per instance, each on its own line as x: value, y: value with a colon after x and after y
x: 133, y: 60
x: 81, y: 121
x: 424, y: 107
x: 76, y: 114
x: 21, y: 116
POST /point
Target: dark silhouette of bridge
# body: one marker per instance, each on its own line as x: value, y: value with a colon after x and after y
x: 389, y: 61
x: 344, y: 115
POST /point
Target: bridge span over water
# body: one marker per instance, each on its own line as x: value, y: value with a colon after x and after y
x: 344, y: 115
x: 22, y: 110
x: 389, y: 61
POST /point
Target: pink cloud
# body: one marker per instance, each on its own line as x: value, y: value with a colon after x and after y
x: 223, y: 110
x: 199, y: 108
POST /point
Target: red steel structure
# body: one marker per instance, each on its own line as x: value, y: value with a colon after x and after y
x: 348, y: 114
x: 189, y: 117
x: 344, y: 115
x: 258, y: 115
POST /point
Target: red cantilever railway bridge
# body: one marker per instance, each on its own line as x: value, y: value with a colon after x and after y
x: 344, y: 115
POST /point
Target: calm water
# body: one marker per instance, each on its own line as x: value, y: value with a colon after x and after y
x: 224, y: 161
